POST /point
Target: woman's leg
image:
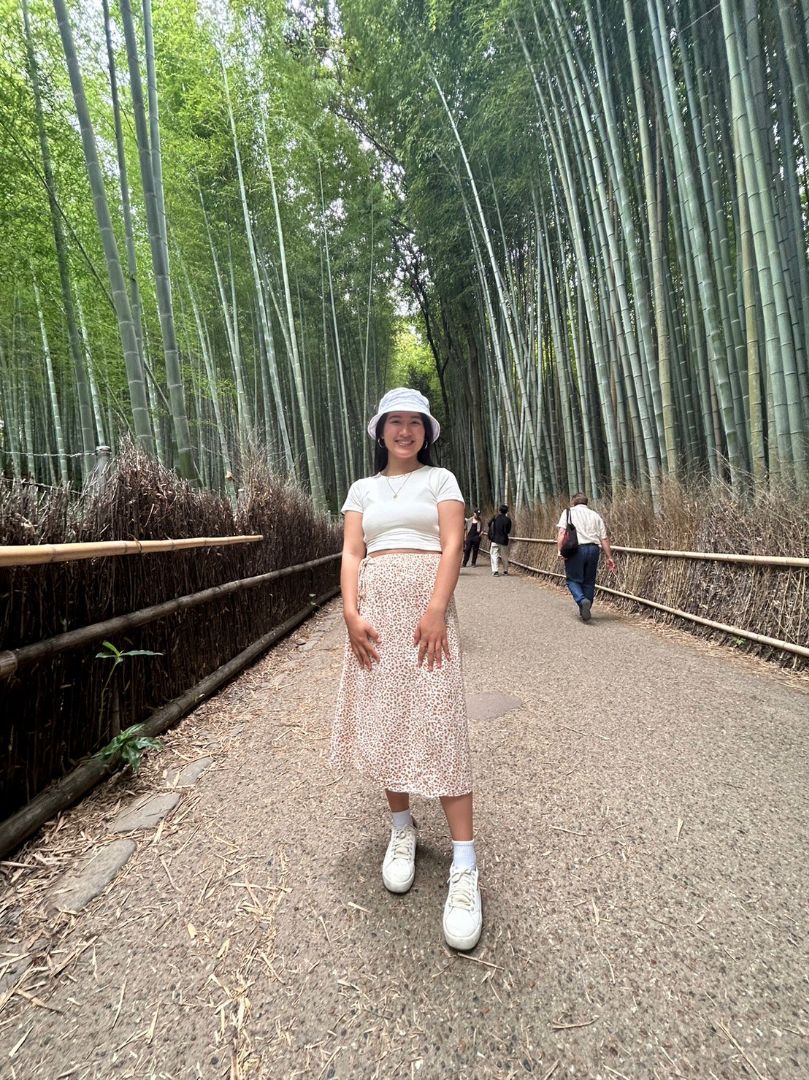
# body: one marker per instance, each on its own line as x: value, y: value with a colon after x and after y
x: 458, y: 809
x: 397, y: 801
x: 399, y: 864
x: 463, y: 917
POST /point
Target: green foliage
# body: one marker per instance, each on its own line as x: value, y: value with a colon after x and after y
x: 603, y: 309
x: 117, y: 656
x: 285, y: 87
x: 412, y: 362
x: 579, y: 231
x: 129, y: 746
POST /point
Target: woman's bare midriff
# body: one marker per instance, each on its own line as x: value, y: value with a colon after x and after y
x: 402, y: 551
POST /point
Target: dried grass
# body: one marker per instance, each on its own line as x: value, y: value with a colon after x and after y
x: 765, y: 600
x: 53, y: 713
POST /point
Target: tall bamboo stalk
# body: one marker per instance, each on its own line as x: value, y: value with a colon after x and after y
x: 148, y: 155
x: 134, y: 367
x: 60, y: 243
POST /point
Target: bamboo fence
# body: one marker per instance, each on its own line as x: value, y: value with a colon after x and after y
x: 233, y: 573
x: 11, y: 660
x: 705, y: 556
x: 69, y: 789
x: 794, y: 567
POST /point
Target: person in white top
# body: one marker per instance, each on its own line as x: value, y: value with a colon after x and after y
x: 401, y: 708
x: 581, y: 566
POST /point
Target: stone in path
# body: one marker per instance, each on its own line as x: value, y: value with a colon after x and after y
x: 189, y: 774
x: 146, y: 813
x: 490, y: 706
x: 76, y: 889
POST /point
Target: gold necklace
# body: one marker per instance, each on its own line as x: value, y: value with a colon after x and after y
x: 396, y: 493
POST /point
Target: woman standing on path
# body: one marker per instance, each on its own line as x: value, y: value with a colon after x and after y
x: 401, y: 711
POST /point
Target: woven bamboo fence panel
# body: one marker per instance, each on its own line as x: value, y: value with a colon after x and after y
x: 56, y: 710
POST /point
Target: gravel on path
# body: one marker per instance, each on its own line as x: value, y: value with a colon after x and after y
x: 642, y: 825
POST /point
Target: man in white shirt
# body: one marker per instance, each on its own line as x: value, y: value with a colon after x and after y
x: 581, y: 566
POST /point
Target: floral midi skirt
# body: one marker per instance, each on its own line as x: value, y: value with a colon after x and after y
x: 400, y: 724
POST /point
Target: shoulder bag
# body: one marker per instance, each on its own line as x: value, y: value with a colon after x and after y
x: 570, y: 540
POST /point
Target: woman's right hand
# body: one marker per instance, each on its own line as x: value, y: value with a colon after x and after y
x: 363, y: 639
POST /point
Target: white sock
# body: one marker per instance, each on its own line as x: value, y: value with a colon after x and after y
x: 400, y: 819
x: 463, y: 854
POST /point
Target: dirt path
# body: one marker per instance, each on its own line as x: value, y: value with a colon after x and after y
x: 642, y: 834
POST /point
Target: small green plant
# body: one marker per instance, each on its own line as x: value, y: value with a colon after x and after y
x: 118, y: 657
x: 129, y: 744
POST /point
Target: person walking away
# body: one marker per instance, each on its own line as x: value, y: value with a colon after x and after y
x: 582, y: 565
x: 499, y: 528
x: 401, y: 710
x: 474, y: 528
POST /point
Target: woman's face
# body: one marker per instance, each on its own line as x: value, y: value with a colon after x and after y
x: 404, y: 435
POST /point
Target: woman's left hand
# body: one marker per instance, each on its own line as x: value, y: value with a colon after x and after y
x: 431, y: 638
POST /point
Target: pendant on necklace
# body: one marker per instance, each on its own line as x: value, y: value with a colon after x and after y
x: 393, y: 490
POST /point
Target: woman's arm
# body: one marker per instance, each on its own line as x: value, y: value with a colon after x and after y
x: 431, y: 632
x: 361, y: 634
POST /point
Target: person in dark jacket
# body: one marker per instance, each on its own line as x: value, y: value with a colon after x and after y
x: 499, y: 528
x: 474, y: 531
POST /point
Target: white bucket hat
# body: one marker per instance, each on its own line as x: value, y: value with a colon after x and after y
x: 402, y: 399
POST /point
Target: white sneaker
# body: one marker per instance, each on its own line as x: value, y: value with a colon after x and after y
x: 399, y: 864
x: 463, y: 919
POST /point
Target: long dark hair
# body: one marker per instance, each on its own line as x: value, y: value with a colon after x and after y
x: 381, y: 452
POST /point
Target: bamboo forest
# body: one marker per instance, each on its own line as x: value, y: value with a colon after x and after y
x: 227, y: 226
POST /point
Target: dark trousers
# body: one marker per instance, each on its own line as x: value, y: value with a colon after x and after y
x: 471, y: 547
x: 580, y: 572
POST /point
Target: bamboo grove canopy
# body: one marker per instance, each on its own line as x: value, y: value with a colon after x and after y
x: 611, y: 199
x: 192, y: 242
x: 213, y: 215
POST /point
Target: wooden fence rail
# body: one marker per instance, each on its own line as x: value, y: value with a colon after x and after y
x: 34, y: 554
x: 708, y: 556
x: 64, y: 792
x: 11, y: 660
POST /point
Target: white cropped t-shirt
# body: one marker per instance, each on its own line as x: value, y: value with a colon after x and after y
x: 408, y: 520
